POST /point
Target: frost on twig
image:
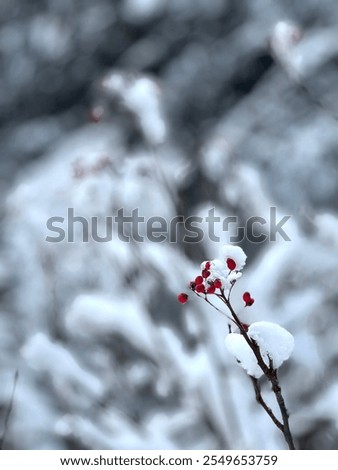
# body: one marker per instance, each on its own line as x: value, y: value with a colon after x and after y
x: 260, y: 348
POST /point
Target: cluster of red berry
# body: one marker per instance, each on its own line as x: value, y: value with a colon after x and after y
x: 203, y: 284
x: 206, y: 283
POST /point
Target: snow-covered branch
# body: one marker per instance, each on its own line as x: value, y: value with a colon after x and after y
x: 260, y: 348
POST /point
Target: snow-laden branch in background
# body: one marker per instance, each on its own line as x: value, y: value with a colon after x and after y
x: 260, y: 348
x: 301, y: 55
x: 140, y: 96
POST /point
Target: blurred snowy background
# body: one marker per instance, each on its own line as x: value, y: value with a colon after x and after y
x: 204, y: 103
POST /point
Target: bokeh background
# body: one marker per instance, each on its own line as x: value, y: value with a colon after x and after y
x: 200, y: 103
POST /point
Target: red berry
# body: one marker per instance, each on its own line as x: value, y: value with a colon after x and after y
x: 211, y: 289
x: 246, y: 296
x: 207, y: 265
x: 248, y: 299
x: 231, y: 264
x: 218, y: 283
x: 245, y: 327
x: 192, y: 285
x: 199, y: 280
x: 200, y: 288
x: 205, y: 273
x: 96, y: 114
x: 182, y: 298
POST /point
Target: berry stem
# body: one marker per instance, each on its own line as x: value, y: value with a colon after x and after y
x: 214, y: 306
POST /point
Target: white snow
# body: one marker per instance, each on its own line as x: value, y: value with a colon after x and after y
x: 215, y: 158
x: 234, y: 276
x: 275, y: 343
x: 142, y: 10
x: 327, y: 227
x: 94, y: 315
x: 141, y: 96
x: 237, y: 346
x: 33, y: 416
x: 284, y: 38
x: 219, y: 270
x: 52, y: 358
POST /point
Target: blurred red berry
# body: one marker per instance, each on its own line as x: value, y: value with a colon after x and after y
x: 200, y: 288
x: 211, y: 289
x: 207, y: 265
x: 182, y: 298
x: 199, y: 280
x: 218, y: 283
x: 205, y: 273
x: 96, y: 114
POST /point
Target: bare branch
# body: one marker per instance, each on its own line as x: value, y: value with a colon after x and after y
x: 261, y: 401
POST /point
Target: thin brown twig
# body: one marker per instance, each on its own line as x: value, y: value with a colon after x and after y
x: 262, y: 402
x: 214, y: 306
x: 284, y: 412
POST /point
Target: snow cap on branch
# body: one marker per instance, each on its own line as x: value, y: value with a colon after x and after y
x: 238, y: 347
x: 274, y: 341
x: 275, y: 344
x: 234, y: 257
